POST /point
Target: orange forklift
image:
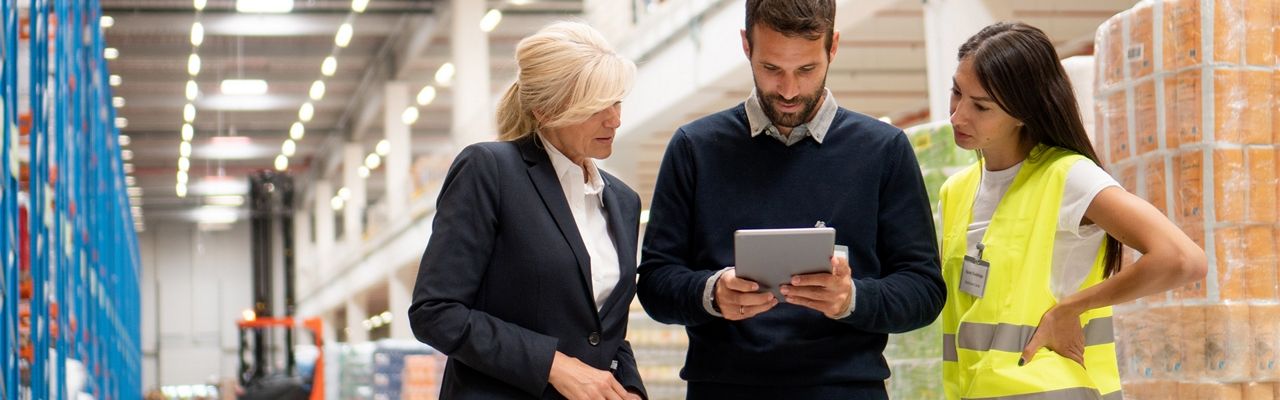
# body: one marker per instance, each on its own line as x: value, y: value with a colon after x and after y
x: 271, y: 200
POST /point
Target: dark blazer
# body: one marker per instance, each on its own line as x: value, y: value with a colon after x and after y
x: 506, y: 279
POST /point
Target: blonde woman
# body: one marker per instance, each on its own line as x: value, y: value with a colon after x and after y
x: 530, y: 271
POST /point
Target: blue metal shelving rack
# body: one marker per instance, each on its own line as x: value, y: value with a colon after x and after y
x: 83, y: 248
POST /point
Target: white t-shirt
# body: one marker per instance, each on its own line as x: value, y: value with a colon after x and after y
x: 1075, y: 247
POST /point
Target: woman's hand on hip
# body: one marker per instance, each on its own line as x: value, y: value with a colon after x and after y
x: 1060, y: 331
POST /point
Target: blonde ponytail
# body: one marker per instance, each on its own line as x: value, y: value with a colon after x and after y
x: 514, y: 121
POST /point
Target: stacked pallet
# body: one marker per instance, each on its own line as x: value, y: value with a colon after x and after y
x: 1187, y: 119
x: 421, y: 377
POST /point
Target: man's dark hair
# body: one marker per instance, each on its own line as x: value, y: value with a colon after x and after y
x: 809, y: 19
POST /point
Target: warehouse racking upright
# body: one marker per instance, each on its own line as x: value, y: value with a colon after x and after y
x: 67, y: 243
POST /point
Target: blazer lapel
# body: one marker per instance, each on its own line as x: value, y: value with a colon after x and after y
x: 543, y: 175
x: 623, y: 240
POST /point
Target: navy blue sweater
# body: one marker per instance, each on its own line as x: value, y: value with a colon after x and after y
x: 863, y: 180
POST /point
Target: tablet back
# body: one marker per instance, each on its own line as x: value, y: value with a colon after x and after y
x: 771, y: 256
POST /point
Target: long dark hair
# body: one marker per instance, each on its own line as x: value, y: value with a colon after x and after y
x: 1018, y: 65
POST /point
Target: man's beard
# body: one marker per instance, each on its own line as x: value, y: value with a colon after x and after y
x: 792, y: 119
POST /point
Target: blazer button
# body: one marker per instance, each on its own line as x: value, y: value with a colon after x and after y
x: 594, y: 338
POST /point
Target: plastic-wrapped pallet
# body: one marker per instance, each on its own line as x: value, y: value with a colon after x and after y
x: 355, y: 379
x: 659, y: 351
x: 915, y: 358
x: 1187, y: 119
x: 421, y: 377
x: 388, y: 366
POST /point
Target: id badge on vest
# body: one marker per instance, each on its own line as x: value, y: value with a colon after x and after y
x: 973, y: 277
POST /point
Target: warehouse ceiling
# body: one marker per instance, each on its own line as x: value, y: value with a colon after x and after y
x: 235, y: 135
x: 880, y: 70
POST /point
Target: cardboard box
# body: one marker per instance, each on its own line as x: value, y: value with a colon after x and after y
x: 1230, y: 263
x: 1229, y: 183
x: 1227, y: 343
x: 1260, y: 263
x: 1145, y: 132
x: 1265, y: 332
x: 1263, y: 185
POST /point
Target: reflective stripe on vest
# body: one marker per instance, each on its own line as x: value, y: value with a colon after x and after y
x: 1061, y: 394
x: 983, y: 338
x: 1013, y: 338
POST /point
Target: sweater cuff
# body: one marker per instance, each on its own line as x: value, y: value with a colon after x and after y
x: 853, y: 302
x: 709, y: 293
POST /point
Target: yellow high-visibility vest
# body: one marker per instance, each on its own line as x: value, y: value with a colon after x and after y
x: 983, y: 337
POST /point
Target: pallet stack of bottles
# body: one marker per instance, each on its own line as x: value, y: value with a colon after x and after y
x: 1187, y: 119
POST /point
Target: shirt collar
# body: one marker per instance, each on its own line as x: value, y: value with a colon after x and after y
x: 817, y: 127
x: 566, y: 169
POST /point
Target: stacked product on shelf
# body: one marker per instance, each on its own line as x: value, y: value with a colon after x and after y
x: 355, y: 377
x: 388, y: 365
x: 1187, y: 119
x: 915, y: 357
x: 421, y: 377
x: 659, y: 350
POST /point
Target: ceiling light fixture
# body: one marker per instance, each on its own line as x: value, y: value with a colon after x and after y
x: 117, y: 102
x: 243, y: 86
x: 184, y: 164
x: 122, y: 122
x: 426, y: 95
x: 306, y: 112
x: 383, y: 147
x: 282, y: 162
x: 297, y: 131
x: 193, y: 90
x: 225, y: 200
x: 135, y: 192
x: 197, y: 34
x: 288, y: 148
x: 329, y: 66
x: 344, y: 193
x: 359, y: 5
x: 115, y: 80
x: 128, y: 168
x: 344, y: 35
x: 107, y: 21
x: 184, y: 149
x: 182, y: 177
x: 124, y: 140
x: 373, y: 161
x: 126, y: 155
x: 264, y: 6
x: 336, y: 203
x: 409, y: 116
x: 217, y: 215
x: 317, y: 90
x: 189, y: 113
x: 180, y: 190
x: 199, y: 5
x: 490, y: 20
x: 193, y: 64
x: 130, y: 181
x: 188, y: 132
x: 111, y: 53
x: 444, y: 75
x: 364, y: 171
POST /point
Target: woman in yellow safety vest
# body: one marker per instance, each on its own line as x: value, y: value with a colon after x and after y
x: 1032, y: 233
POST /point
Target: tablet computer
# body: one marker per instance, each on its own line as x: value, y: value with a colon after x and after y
x: 771, y: 256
